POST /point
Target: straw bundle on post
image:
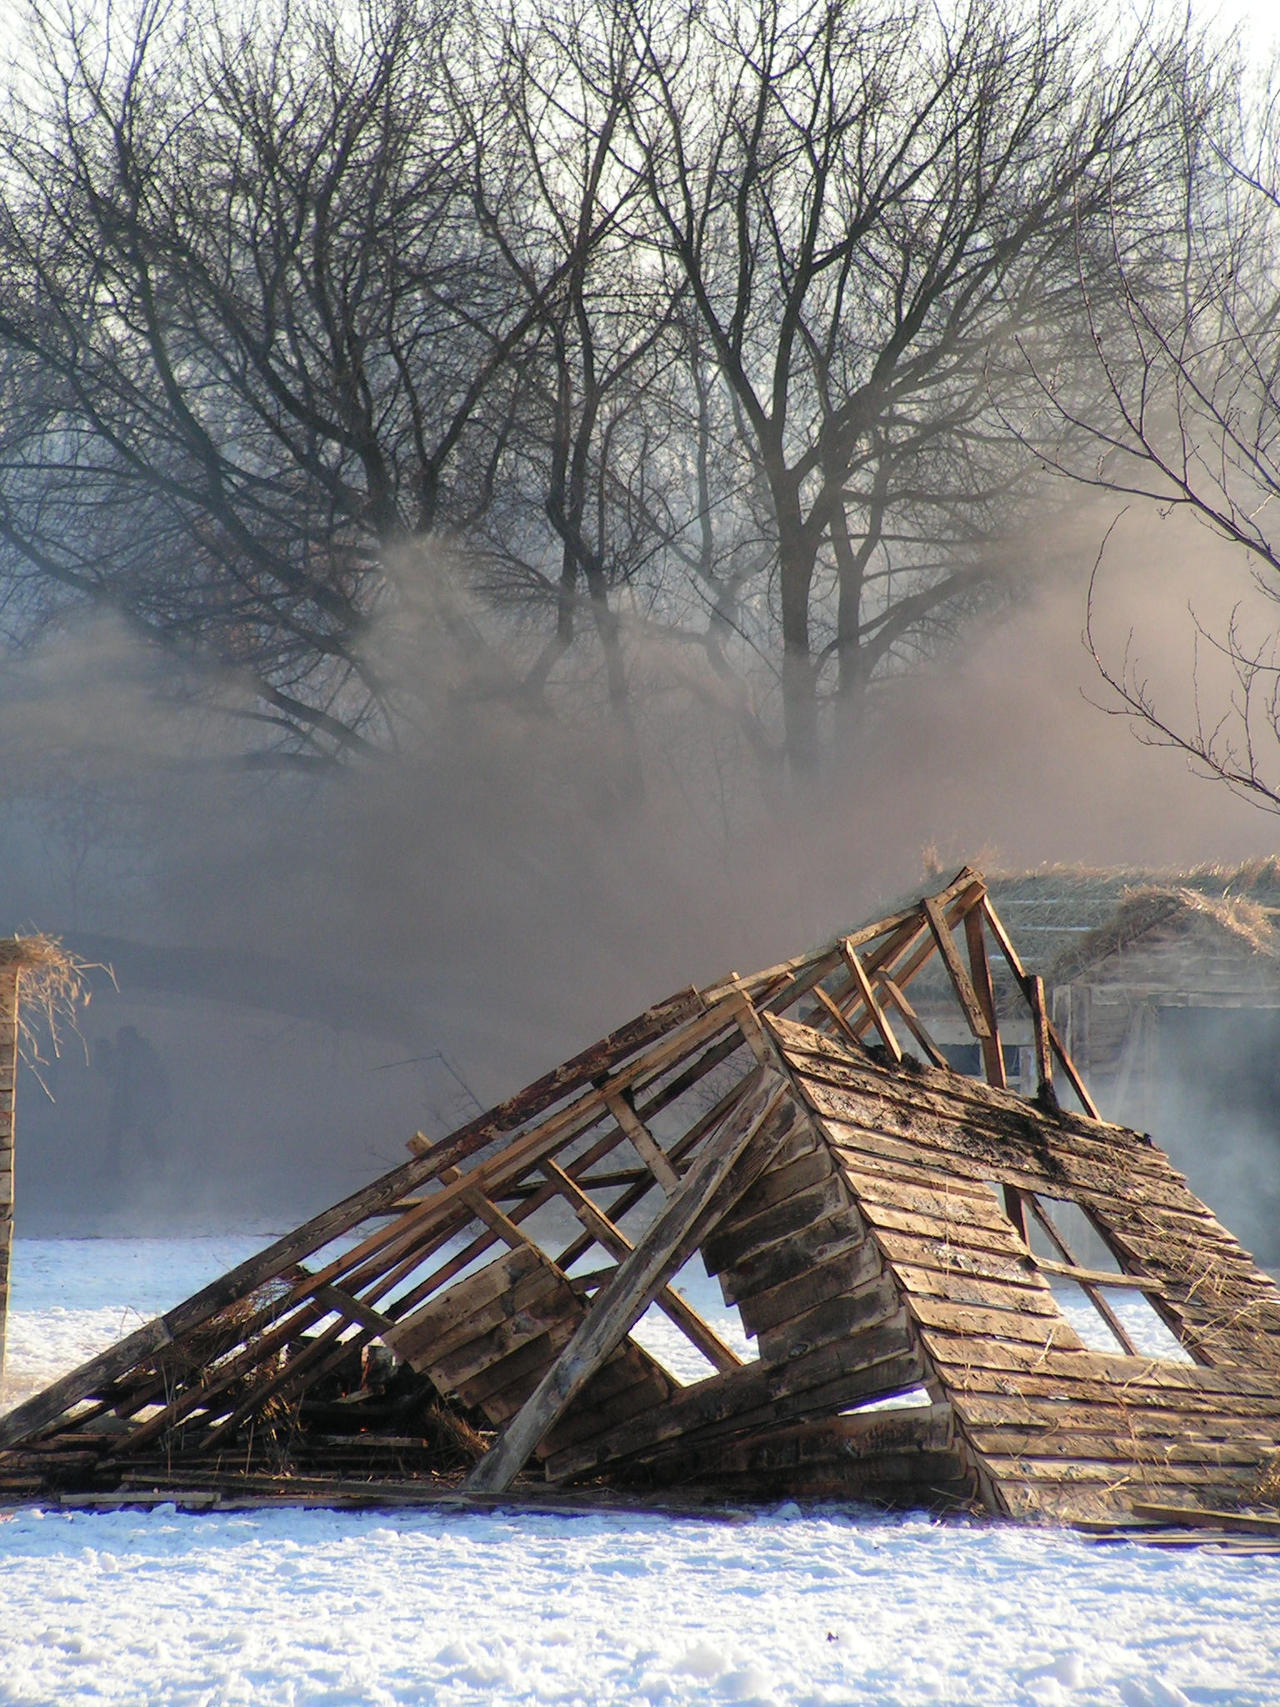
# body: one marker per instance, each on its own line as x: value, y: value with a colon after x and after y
x: 37, y: 973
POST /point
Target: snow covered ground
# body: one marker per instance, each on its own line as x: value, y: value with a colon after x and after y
x: 786, y: 1607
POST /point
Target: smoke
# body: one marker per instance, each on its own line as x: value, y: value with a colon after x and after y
x: 323, y: 963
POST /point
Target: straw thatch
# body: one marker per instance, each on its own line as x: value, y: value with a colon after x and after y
x: 1185, y: 912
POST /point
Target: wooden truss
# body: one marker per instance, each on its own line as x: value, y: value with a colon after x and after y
x: 489, y: 1285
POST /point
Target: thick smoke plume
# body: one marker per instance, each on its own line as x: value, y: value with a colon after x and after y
x: 321, y: 963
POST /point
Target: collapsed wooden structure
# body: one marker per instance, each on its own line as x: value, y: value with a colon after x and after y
x: 886, y: 1228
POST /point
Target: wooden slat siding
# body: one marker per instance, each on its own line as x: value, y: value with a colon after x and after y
x: 8, y: 1081
x: 416, y: 1340
x: 833, y: 1278
x: 623, y: 1299
x: 956, y: 1287
x: 1144, y: 1375
x: 825, y: 1241
x: 839, y: 1456
x: 844, y: 1316
x: 997, y: 1314
x: 917, y: 1097
x: 736, y: 1244
x: 1150, y: 1450
x: 817, y: 1384
x: 1095, y: 1405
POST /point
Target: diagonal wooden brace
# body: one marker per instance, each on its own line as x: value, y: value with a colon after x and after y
x: 637, y: 1279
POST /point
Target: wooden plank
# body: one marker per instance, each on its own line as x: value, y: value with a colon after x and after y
x: 1245, y: 1523
x: 1098, y: 1406
x: 969, y: 1202
x: 846, y: 1314
x: 643, y: 1142
x: 837, y: 1014
x: 757, y: 1396
x: 980, y: 973
x: 1047, y: 1331
x: 781, y: 1182
x: 957, y: 1287
x: 813, y: 1285
x: 915, y: 1025
x: 1049, y: 1444
x: 985, y: 1382
x: 960, y: 980
x: 1001, y: 1114
x: 799, y: 1254
x: 1040, y: 1031
x: 472, y: 1305
x: 961, y: 1352
x: 736, y: 1241
x: 623, y: 1299
x: 870, y: 1000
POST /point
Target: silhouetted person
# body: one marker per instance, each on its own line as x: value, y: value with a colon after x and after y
x: 140, y: 1096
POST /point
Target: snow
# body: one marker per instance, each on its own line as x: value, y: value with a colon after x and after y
x: 785, y: 1607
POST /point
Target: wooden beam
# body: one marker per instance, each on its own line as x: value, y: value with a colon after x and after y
x: 980, y: 972
x: 643, y: 1141
x: 1044, y: 1044
x: 955, y: 968
x: 870, y: 1000
x: 677, y: 1310
x: 622, y: 1300
x: 837, y: 1014
x: 915, y: 1025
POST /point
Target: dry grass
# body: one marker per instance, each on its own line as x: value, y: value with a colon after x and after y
x: 51, y: 991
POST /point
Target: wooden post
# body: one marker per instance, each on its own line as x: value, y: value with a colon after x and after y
x: 8, y: 1087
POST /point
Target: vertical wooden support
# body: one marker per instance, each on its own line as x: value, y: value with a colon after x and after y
x: 980, y: 971
x: 8, y: 1088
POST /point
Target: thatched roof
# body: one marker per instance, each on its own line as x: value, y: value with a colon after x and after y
x: 1184, y: 910
x: 1067, y: 917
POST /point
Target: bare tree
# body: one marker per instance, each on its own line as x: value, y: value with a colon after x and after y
x: 870, y: 211
x: 1188, y: 347
x: 252, y: 339
x: 724, y: 328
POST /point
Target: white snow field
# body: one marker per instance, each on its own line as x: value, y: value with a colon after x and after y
x: 788, y: 1607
